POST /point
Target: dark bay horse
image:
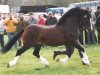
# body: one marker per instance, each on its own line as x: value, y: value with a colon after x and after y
x: 65, y: 32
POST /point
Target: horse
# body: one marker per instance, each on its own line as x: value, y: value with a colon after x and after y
x: 64, y: 32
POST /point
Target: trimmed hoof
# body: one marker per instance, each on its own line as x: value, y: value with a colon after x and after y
x: 8, y: 66
x: 90, y: 61
x: 58, y: 60
x: 87, y: 64
x: 46, y: 65
x: 62, y: 61
x: 55, y: 54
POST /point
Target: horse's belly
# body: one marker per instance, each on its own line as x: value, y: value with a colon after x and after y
x: 54, y: 37
x: 52, y: 40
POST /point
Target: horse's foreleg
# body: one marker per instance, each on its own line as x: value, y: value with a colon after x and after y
x: 84, y: 58
x: 18, y: 54
x: 36, y: 53
x: 82, y: 53
x: 68, y: 52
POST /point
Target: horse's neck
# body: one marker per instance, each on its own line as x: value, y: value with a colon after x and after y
x: 70, y: 25
x: 71, y: 22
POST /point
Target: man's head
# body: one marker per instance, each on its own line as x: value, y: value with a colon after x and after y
x: 98, y: 7
x: 31, y: 14
x: 50, y: 14
x: 10, y: 15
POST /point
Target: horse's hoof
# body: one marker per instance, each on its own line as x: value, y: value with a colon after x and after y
x: 46, y: 65
x: 55, y: 54
x: 58, y: 60
x: 8, y: 66
x: 85, y: 64
x: 90, y: 61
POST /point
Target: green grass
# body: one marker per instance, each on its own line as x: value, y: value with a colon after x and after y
x: 30, y: 65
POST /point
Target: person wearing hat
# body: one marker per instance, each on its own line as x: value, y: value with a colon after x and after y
x: 51, y: 20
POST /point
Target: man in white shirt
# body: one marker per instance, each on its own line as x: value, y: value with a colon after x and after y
x: 57, y: 15
x: 1, y: 31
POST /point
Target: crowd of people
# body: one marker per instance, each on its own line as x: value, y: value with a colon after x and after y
x: 90, y: 34
x: 13, y: 24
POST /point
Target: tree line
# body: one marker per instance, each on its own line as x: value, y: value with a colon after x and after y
x: 13, y: 3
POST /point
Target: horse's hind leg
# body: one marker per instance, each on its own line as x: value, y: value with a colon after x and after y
x: 18, y: 54
x: 68, y: 52
x: 36, y: 53
x: 82, y: 53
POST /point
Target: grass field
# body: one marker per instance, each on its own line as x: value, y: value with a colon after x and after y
x: 30, y: 65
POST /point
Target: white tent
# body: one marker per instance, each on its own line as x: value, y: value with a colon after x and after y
x: 4, y: 9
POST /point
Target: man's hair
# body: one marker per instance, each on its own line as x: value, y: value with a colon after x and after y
x: 98, y: 7
x: 31, y: 13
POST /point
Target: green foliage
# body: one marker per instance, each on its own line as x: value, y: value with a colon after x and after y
x: 30, y: 65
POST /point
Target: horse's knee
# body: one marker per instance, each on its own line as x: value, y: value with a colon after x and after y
x: 82, y: 50
x: 36, y: 54
x: 19, y: 52
x: 70, y: 51
x: 37, y: 50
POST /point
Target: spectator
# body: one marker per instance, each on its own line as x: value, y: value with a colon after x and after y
x: 1, y: 31
x: 97, y: 14
x: 21, y: 25
x: 31, y: 19
x: 57, y: 15
x: 93, y: 28
x: 88, y: 31
x: 10, y: 23
x: 51, y: 20
x: 41, y: 20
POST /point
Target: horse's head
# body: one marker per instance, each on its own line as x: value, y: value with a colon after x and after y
x: 84, y: 18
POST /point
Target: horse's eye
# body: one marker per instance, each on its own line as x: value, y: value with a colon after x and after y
x: 85, y: 16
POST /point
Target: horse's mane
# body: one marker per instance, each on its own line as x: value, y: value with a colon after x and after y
x: 71, y: 12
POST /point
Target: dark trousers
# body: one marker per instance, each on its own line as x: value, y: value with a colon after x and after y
x: 94, y: 38
x: 81, y: 37
x: 98, y: 31
x: 88, y: 37
x: 10, y: 35
x: 19, y: 41
x: 2, y: 40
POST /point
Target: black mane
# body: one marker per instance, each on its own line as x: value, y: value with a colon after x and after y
x: 72, y: 12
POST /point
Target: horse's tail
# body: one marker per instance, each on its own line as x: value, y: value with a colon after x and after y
x: 11, y: 42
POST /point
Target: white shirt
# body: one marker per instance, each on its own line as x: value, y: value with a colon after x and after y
x: 57, y: 16
x: 1, y: 26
